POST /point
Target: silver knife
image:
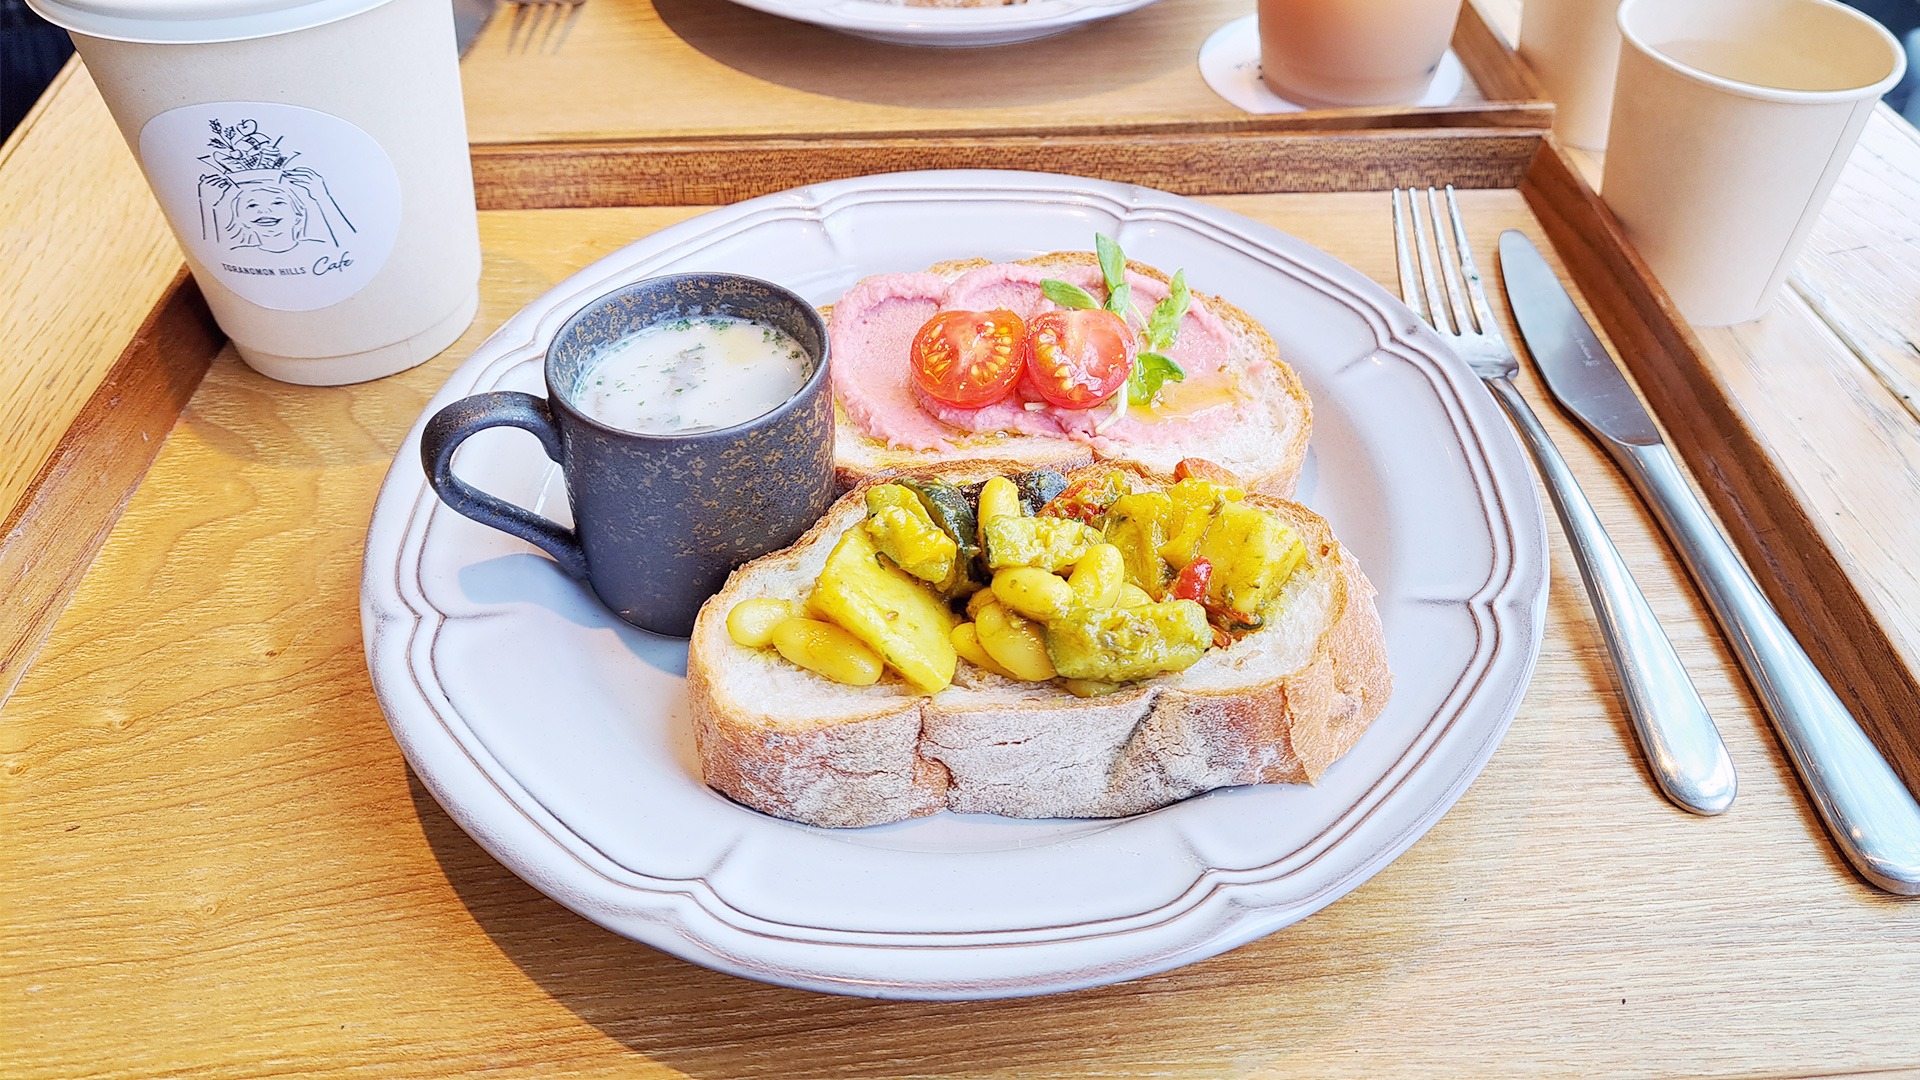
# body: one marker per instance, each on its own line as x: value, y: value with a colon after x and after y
x: 1871, y: 814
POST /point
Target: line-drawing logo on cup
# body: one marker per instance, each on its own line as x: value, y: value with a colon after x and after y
x: 286, y: 207
x: 252, y: 198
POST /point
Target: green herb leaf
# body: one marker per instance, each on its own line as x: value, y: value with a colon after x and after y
x: 1067, y: 294
x: 1113, y: 265
x: 1151, y: 370
x: 1120, y: 300
x: 1163, y: 326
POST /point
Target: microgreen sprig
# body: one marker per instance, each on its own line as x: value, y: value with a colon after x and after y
x: 1113, y: 267
x: 1152, y: 367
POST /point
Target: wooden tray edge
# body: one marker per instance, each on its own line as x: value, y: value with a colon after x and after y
x: 1496, y: 68
x: 707, y: 172
x: 48, y: 542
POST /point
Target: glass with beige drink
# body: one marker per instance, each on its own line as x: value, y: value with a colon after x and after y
x: 1353, y: 52
x: 311, y: 156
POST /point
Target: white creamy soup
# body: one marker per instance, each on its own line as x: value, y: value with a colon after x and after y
x: 694, y: 374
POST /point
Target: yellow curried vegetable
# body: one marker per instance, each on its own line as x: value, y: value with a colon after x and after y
x: 1033, y: 592
x: 827, y: 650
x: 1014, y: 643
x: 966, y: 642
x: 893, y: 614
x: 1195, y: 501
x: 1137, y: 525
x: 1049, y: 543
x: 1098, y: 576
x: 885, y: 596
x: 751, y: 622
x: 904, y: 532
x: 1128, y: 643
x: 1253, y: 554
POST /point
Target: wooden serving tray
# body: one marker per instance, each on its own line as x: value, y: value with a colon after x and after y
x: 1772, y: 530
x: 656, y: 71
x: 193, y: 711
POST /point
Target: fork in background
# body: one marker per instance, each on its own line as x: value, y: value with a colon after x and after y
x: 1682, y: 745
x: 542, y: 25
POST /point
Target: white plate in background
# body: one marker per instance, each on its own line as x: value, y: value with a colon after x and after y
x: 952, y: 28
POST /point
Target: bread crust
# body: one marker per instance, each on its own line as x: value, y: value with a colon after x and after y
x: 1031, y: 750
x: 860, y: 458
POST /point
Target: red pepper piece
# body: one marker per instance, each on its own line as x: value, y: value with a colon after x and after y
x: 1191, y: 583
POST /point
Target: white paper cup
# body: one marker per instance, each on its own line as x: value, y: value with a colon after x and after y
x: 1573, y: 47
x: 1731, y: 121
x: 311, y: 156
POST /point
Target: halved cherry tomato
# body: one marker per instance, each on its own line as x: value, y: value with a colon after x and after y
x: 968, y: 359
x: 1078, y: 357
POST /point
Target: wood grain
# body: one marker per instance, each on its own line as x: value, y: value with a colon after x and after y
x: 87, y: 256
x: 49, y: 539
x: 1856, y: 273
x: 1484, y: 42
x: 679, y: 69
x: 1222, y: 162
x: 216, y: 863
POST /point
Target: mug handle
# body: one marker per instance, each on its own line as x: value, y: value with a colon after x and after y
x: 498, y: 408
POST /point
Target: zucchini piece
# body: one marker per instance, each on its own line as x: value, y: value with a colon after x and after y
x: 1127, y: 644
x: 1038, y: 488
x: 952, y: 511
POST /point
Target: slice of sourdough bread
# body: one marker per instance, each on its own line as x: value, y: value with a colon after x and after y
x: 1278, y: 706
x: 1265, y: 450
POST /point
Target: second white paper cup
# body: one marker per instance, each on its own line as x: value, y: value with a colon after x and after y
x: 1731, y: 121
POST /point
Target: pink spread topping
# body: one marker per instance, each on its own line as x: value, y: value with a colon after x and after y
x: 872, y: 333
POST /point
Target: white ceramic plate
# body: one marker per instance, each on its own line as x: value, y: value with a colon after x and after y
x: 559, y: 738
x: 953, y: 28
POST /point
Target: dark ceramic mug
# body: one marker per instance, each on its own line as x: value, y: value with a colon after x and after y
x: 660, y: 520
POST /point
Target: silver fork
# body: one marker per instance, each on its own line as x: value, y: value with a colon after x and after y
x: 1683, y: 747
x: 542, y: 25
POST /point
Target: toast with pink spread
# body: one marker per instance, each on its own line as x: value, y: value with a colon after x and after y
x: 1239, y: 405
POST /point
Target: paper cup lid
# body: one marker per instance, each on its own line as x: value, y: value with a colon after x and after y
x: 194, y: 22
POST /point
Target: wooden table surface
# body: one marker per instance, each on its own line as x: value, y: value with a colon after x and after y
x: 215, y: 863
x: 699, y: 69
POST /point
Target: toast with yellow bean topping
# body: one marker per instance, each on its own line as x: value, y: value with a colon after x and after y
x: 1275, y: 703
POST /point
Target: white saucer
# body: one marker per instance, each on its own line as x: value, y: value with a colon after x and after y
x: 1230, y: 62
